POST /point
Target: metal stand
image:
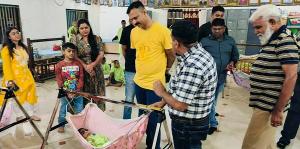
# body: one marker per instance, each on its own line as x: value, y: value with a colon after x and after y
x: 10, y: 95
x: 61, y: 93
x: 162, y: 120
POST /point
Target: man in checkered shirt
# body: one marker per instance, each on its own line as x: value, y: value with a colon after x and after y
x: 191, y: 89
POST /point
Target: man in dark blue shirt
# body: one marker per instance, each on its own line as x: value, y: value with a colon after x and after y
x: 225, y: 53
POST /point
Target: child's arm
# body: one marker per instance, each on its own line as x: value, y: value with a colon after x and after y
x: 80, y: 80
x: 58, y: 74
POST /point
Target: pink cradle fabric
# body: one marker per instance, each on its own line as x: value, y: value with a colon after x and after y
x: 123, y: 134
x: 5, y: 120
x: 242, y: 79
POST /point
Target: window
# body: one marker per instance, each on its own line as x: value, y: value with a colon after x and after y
x: 74, y: 15
x: 9, y: 16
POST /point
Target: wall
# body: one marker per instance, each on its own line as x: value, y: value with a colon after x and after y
x: 45, y: 19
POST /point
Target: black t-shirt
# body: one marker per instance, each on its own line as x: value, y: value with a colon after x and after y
x: 129, y: 53
x: 205, y: 30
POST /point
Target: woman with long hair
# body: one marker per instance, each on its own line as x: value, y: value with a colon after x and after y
x: 15, y: 59
x: 90, y: 54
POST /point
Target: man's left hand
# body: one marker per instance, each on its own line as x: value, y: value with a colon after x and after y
x: 276, y: 118
x: 159, y: 88
x: 230, y: 66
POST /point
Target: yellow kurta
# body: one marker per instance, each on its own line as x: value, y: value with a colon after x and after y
x: 16, y: 69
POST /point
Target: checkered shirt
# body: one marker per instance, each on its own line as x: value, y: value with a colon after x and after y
x: 194, y: 83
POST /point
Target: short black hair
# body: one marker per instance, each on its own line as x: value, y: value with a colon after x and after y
x: 123, y: 21
x: 69, y: 45
x: 135, y: 5
x: 82, y: 131
x: 185, y: 32
x: 217, y: 8
x: 218, y: 22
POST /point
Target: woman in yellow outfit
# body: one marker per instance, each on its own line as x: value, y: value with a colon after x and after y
x: 15, y: 68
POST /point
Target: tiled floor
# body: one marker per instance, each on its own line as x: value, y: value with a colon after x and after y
x: 232, y: 126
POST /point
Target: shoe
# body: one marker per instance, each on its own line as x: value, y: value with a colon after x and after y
x: 35, y: 118
x: 212, y: 130
x: 282, y: 145
x: 61, y: 130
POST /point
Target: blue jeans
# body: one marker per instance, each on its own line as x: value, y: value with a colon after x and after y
x: 188, y: 133
x: 129, y: 93
x: 292, y: 120
x: 78, y: 106
x: 147, y: 97
x: 212, y: 116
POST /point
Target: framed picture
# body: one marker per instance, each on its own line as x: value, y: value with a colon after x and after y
x: 287, y: 2
x: 232, y: 2
x: 89, y: 2
x: 184, y: 2
x: 150, y: 3
x: 203, y: 3
x: 253, y: 2
x: 176, y: 2
x: 166, y: 2
x: 265, y: 1
x: 243, y: 2
x: 211, y: 3
x: 276, y: 2
x: 194, y: 2
x: 158, y: 3
x: 222, y: 2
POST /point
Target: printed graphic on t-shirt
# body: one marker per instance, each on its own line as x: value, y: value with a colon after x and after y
x: 71, y: 75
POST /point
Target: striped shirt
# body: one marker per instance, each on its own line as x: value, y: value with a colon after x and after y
x: 194, y: 83
x: 267, y: 76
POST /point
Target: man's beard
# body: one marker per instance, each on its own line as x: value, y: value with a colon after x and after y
x: 264, y: 38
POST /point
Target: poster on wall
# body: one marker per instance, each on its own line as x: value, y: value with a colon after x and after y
x: 203, y: 3
x: 176, y: 3
x: 253, y: 2
x: 194, y: 2
x: 127, y: 3
x: 184, y: 2
x: 287, y: 2
x: 166, y: 2
x: 276, y: 2
x: 212, y: 3
x: 232, y: 2
x: 158, y: 3
x: 222, y: 2
x: 150, y: 3
x: 297, y: 1
x: 265, y: 1
x: 243, y: 2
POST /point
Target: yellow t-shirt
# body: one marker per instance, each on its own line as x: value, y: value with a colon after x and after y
x: 151, y: 60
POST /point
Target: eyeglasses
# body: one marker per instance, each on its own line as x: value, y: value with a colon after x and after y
x: 15, y: 33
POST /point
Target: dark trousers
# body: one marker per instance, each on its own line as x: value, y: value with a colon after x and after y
x: 147, y: 97
x: 292, y: 120
x: 188, y: 133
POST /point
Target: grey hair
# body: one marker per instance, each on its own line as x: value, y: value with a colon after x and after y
x: 266, y: 12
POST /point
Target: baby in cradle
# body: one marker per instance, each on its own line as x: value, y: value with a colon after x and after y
x: 95, y: 140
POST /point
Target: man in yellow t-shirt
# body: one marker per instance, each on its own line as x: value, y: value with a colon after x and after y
x: 153, y: 45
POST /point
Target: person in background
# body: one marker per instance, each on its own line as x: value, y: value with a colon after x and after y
x: 105, y: 67
x: 15, y: 59
x: 191, y: 89
x: 90, y: 55
x: 225, y: 53
x: 129, y: 56
x: 72, y: 30
x: 116, y: 77
x: 154, y: 55
x: 118, y: 37
x: 69, y: 76
x: 205, y: 29
x: 273, y: 77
